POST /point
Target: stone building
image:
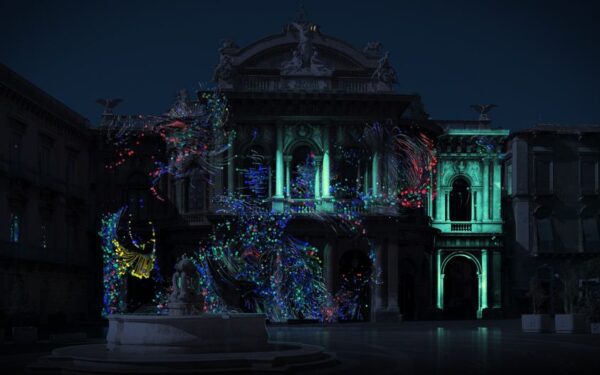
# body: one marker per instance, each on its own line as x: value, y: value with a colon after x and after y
x: 47, y: 272
x: 467, y: 211
x: 553, y: 207
x: 303, y: 94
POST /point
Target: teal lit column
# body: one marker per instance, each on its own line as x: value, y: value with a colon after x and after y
x: 279, y: 164
x: 375, y: 174
x: 440, y: 280
x: 485, y: 204
x: 327, y: 200
x: 278, y: 197
x: 317, y: 178
x: 496, y: 190
x: 483, y: 282
x: 325, y: 176
x: 288, y: 162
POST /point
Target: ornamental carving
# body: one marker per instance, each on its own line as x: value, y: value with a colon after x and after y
x: 451, y: 169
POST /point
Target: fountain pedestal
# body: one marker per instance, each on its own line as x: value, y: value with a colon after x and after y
x: 203, y: 333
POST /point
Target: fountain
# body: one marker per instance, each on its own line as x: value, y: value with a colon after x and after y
x: 185, y: 341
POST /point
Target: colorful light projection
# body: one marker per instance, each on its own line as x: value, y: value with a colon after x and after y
x: 193, y: 132
x: 408, y: 159
x: 119, y: 261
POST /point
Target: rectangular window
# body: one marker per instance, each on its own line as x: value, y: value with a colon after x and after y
x: 543, y: 175
x: 14, y: 228
x: 591, y: 235
x: 44, y: 235
x: 15, y: 151
x: 72, y: 161
x: 45, y: 154
x: 545, y: 235
x: 588, y: 176
x: 196, y: 194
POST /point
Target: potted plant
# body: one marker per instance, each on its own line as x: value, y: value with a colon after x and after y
x: 536, y: 322
x: 573, y: 320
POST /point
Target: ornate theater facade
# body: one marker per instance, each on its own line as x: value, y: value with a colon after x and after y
x: 314, y: 109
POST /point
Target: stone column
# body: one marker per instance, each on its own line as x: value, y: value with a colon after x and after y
x: 326, y: 171
x: 269, y: 187
x: 279, y: 164
x: 485, y: 204
x: 497, y: 279
x: 379, y: 302
x: 328, y: 266
x: 375, y: 174
x: 496, y: 190
x: 392, y: 279
x: 288, y: 161
x: 230, y: 166
x: 484, y: 279
x: 317, y: 178
x: 439, y: 280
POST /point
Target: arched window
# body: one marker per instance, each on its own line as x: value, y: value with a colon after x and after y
x: 460, y: 200
x: 303, y: 168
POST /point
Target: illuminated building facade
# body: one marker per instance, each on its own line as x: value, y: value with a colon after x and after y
x: 300, y: 103
x: 468, y: 212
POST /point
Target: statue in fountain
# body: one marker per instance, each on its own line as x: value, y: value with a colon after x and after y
x: 185, y: 298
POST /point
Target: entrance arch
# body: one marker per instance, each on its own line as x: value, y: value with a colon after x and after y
x: 461, y: 286
x: 354, y: 287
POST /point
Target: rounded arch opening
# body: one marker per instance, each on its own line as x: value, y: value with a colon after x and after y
x: 462, y: 294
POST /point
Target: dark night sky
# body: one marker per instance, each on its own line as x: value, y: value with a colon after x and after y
x: 538, y: 60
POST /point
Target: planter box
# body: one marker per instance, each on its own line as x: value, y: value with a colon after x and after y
x: 595, y: 328
x: 570, y: 323
x: 536, y: 323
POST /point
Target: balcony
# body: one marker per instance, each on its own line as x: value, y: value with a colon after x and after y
x: 468, y: 226
x: 303, y: 206
x: 461, y: 227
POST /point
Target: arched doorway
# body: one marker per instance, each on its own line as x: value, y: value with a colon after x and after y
x: 354, y: 291
x: 406, y: 289
x: 460, y: 200
x: 461, y: 289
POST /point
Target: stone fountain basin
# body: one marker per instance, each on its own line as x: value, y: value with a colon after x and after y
x: 202, y: 344
x: 205, y: 333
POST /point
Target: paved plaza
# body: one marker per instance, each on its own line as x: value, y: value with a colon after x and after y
x: 441, y: 347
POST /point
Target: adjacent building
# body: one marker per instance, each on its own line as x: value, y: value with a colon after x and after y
x: 47, y: 272
x: 553, y: 208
